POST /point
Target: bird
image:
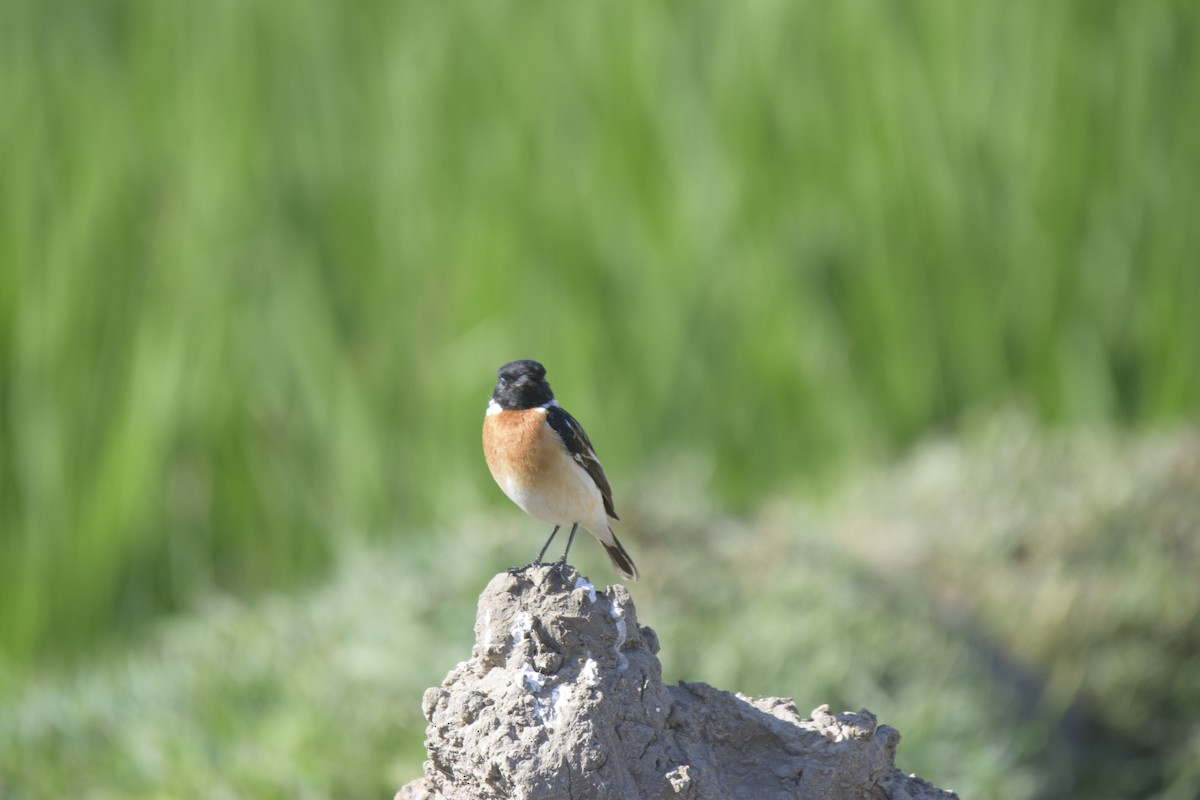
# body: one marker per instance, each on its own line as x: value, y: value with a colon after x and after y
x: 542, y: 459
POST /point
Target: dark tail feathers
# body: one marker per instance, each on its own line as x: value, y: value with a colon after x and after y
x: 620, y: 558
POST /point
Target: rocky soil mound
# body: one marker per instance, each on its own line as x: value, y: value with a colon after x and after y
x: 563, y: 698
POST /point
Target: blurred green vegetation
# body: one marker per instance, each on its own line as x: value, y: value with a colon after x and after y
x: 1019, y: 609
x: 259, y: 260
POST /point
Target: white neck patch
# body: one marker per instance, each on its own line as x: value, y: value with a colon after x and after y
x: 494, y: 408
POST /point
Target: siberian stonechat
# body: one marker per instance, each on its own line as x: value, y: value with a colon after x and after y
x: 544, y: 462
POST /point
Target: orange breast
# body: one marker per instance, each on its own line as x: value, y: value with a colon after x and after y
x: 517, y: 446
x: 532, y: 467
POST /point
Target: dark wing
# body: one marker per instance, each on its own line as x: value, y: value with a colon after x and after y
x: 580, y: 448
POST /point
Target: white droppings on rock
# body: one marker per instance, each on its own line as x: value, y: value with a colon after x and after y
x: 590, y: 674
x: 531, y: 678
x: 560, y: 701
x: 522, y: 624
x: 549, y: 702
x: 583, y: 583
x: 618, y: 614
x: 485, y: 636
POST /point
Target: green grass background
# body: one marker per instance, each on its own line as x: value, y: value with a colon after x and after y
x: 259, y: 261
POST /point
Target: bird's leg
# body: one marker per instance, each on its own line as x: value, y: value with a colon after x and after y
x: 562, y: 562
x: 553, y: 533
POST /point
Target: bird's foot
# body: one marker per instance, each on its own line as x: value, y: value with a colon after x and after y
x: 537, y: 562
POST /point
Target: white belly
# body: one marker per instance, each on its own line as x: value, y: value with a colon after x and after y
x: 572, y: 498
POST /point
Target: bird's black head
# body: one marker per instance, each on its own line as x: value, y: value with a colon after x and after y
x: 522, y: 384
